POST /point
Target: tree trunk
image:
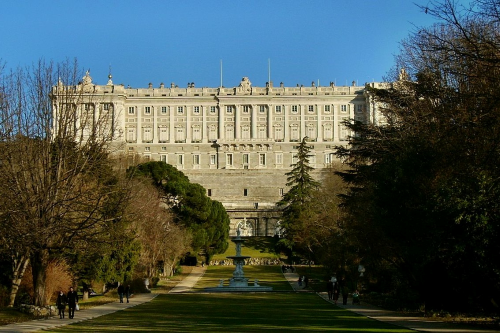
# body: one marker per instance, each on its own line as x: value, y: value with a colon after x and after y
x: 18, y: 268
x: 39, y: 264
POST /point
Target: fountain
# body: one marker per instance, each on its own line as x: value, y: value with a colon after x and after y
x: 238, y: 282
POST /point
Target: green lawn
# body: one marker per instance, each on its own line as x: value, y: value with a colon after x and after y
x: 242, y: 312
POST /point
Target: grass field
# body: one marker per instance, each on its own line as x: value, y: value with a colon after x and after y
x: 238, y: 312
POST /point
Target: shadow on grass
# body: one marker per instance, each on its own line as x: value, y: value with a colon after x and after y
x: 250, y: 312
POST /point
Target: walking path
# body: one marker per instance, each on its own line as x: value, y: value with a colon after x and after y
x: 419, y: 324
x: 415, y: 323
x: 189, y: 281
x: 54, y: 322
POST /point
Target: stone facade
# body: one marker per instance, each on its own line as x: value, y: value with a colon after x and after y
x: 236, y: 142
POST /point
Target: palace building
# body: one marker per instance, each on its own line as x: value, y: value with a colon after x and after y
x: 237, y: 142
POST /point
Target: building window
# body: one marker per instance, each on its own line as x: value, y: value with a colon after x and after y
x: 131, y: 110
x: 229, y: 109
x: 196, y: 159
x: 163, y: 158
x: 311, y: 132
x: 229, y: 159
x: 87, y: 107
x: 246, y: 159
x: 105, y: 106
x: 196, y: 134
x: 262, y: 159
x: 163, y: 148
x: 294, y: 159
x: 245, y: 192
x: 343, y: 108
x: 209, y: 192
x: 329, y: 158
x: 342, y: 130
x: 180, y: 159
x: 245, y: 132
x: 279, y: 158
x: 327, y: 108
x: 262, y: 109
x: 163, y: 110
x: 163, y: 135
x: 180, y: 109
x: 213, y: 159
x: 147, y: 135
x: 295, y: 109
x: 327, y: 133
x: 212, y: 133
x: 282, y: 192
x: 230, y: 132
x: 179, y: 134
x: 212, y: 109
x: 278, y: 134
x: 359, y: 108
x: 312, y: 159
x: 277, y: 108
x: 147, y: 148
x: 310, y: 108
x: 147, y: 110
x: 131, y: 135
x: 262, y: 132
x: 246, y: 108
x: 294, y: 133
x: 196, y: 110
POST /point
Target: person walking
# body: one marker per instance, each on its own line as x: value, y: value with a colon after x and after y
x: 72, y: 299
x: 61, y: 304
x: 121, y: 290
x: 329, y: 289
x: 127, y: 291
x: 300, y: 281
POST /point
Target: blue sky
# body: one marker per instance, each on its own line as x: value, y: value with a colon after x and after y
x: 185, y: 41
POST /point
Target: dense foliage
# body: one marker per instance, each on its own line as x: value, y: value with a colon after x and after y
x: 205, y: 218
x: 425, y: 183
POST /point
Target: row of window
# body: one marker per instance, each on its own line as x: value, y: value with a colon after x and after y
x: 281, y: 191
x: 245, y: 109
x: 245, y: 159
x: 229, y: 133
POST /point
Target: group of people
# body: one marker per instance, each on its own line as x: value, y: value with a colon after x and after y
x: 334, y: 288
x: 70, y: 299
x: 123, y: 291
x: 303, y: 280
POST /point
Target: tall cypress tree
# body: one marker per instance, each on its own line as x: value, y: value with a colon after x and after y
x: 296, y: 203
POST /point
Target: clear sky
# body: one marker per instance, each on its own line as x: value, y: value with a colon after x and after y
x: 185, y: 41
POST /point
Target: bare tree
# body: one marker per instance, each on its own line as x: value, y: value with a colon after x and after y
x: 57, y: 186
x: 163, y: 241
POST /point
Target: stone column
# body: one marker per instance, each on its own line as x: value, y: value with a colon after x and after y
x: 237, y: 124
x: 286, y: 127
x: 171, y: 129
x: 221, y: 122
x: 336, y: 128
x: 254, y: 122
x: 204, y: 128
x: 302, y: 133
x: 319, y: 129
x: 139, y: 123
x: 188, y: 123
x: 155, y: 124
x: 270, y: 122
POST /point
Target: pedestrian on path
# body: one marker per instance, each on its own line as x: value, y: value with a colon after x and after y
x: 300, y: 281
x: 72, y: 298
x: 121, y: 290
x: 329, y: 289
x: 61, y: 304
x: 127, y: 291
